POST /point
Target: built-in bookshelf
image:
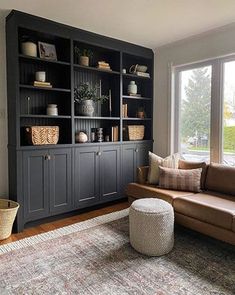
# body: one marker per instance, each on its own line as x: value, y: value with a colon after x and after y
x: 51, y: 179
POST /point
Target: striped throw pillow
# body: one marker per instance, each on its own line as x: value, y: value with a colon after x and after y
x: 180, y: 179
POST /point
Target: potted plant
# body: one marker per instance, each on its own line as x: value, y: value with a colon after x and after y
x: 83, y: 56
x: 85, y: 98
x: 141, y: 113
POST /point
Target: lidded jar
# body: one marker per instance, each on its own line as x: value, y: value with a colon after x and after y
x: 132, y: 88
x: 52, y: 110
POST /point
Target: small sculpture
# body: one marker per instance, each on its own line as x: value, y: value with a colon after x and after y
x: 81, y: 137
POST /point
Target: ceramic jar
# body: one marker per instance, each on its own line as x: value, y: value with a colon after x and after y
x: 29, y: 48
x: 99, y: 134
x: 40, y: 76
x: 52, y: 110
x: 132, y: 88
x: 81, y: 137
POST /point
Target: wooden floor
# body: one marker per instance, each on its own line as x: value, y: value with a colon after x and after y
x: 63, y: 222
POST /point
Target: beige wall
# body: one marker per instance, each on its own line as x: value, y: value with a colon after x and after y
x: 205, y: 46
x: 3, y: 111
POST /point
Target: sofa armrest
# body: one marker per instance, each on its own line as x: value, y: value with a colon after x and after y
x: 142, y: 174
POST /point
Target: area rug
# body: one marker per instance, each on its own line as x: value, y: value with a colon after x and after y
x: 95, y: 257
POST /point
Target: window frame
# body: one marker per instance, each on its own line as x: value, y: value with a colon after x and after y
x: 217, y: 89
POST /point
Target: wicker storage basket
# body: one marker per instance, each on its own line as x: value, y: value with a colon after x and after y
x: 136, y: 132
x: 39, y: 135
x: 8, y: 211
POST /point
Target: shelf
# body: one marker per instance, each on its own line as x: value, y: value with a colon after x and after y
x: 38, y: 59
x: 97, y: 143
x: 136, y: 97
x: 136, y: 77
x: 136, y: 119
x: 78, y: 67
x: 44, y: 88
x: 45, y: 116
x: 97, y: 118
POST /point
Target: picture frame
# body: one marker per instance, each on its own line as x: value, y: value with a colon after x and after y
x: 47, y: 51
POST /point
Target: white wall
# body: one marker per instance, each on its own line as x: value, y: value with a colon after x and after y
x: 3, y: 111
x: 211, y: 44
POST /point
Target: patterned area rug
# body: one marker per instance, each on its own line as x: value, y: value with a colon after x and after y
x: 95, y: 257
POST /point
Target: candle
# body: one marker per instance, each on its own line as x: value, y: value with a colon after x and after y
x: 110, y: 102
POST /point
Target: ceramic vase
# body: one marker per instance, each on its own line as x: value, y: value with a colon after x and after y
x: 132, y: 88
x: 29, y: 48
x: 86, y: 108
x: 81, y: 137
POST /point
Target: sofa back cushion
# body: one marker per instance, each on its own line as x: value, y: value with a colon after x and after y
x: 220, y: 178
x: 194, y: 165
x: 155, y: 161
x: 179, y: 179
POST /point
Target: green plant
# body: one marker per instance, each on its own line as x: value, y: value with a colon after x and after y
x: 86, y: 92
x: 83, y: 52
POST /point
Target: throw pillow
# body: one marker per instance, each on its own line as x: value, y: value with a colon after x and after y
x: 194, y: 165
x: 179, y: 179
x: 156, y: 161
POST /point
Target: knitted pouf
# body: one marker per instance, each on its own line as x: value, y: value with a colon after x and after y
x: 151, y: 226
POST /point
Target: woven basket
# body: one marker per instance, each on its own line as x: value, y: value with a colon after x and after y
x: 39, y: 135
x: 135, y: 132
x: 8, y: 211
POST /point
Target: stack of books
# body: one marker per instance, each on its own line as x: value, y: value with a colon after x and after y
x: 147, y: 75
x: 114, y: 133
x: 103, y: 65
x: 124, y: 111
x: 42, y: 84
x: 135, y: 95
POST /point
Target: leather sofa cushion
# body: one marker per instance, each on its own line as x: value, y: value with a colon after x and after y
x: 150, y: 191
x: 220, y: 178
x: 216, y: 209
x: 194, y: 165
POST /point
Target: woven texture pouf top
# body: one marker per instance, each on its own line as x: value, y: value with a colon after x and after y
x: 151, y: 226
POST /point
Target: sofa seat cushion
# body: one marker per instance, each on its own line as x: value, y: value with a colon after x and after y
x: 150, y: 191
x: 216, y: 209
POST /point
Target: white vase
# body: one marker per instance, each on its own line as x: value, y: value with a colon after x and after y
x: 132, y: 88
x: 29, y: 48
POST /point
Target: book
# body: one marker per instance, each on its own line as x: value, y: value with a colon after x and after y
x: 136, y: 95
x: 42, y: 84
x: 141, y: 74
x: 114, y: 133
x: 124, y: 111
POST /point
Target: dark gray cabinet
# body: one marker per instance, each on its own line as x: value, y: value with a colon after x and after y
x: 110, y: 172
x: 86, y: 175
x: 46, y: 182
x: 35, y: 185
x: 60, y: 168
x: 133, y: 156
x: 97, y: 174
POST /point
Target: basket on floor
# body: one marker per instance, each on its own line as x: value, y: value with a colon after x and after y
x: 136, y: 132
x: 39, y: 135
x: 8, y: 211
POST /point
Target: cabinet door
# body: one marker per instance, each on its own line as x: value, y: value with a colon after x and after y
x: 35, y: 184
x: 142, y: 150
x: 128, y: 164
x: 110, y: 172
x: 60, y: 169
x: 86, y: 176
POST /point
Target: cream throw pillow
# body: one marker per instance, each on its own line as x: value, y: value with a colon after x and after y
x: 156, y: 161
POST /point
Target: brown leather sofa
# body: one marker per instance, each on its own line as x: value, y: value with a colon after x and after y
x: 211, y: 212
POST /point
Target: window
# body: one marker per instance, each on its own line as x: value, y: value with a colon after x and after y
x: 204, y: 110
x: 229, y: 113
